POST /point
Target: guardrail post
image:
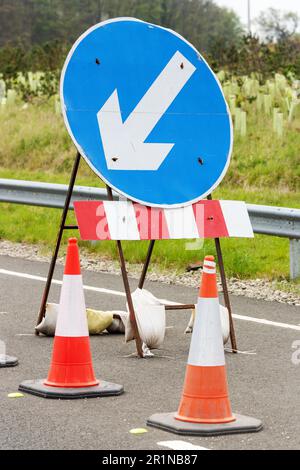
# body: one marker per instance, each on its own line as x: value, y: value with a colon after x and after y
x: 294, y: 258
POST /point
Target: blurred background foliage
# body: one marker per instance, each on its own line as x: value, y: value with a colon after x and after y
x: 35, y: 35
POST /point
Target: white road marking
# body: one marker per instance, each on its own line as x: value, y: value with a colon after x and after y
x: 55, y: 281
x: 25, y: 334
x: 248, y: 353
x: 167, y: 302
x: 267, y: 322
x: 180, y: 445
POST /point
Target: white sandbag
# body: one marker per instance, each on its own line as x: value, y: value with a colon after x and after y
x: 151, y: 324
x: 146, y: 296
x: 224, y: 323
x: 146, y: 351
x: 129, y: 333
x: 119, y: 322
x: 150, y: 317
x: 48, y: 324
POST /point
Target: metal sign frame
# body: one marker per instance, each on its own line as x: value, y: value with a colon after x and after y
x: 63, y: 227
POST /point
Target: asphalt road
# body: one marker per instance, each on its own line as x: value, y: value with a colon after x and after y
x: 265, y: 385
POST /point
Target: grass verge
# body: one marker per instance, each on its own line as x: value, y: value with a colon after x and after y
x: 264, y: 170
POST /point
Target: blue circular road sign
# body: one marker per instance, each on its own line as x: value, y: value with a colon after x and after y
x: 146, y: 112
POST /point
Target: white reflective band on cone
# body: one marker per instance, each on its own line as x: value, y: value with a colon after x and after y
x: 209, y: 270
x: 211, y: 264
x: 207, y: 342
x: 71, y: 320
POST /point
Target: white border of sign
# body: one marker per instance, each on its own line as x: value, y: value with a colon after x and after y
x: 86, y: 33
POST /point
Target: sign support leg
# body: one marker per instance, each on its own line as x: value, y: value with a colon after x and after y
x: 225, y: 290
x: 62, y: 227
x: 146, y: 264
x: 226, y: 294
x: 138, y: 340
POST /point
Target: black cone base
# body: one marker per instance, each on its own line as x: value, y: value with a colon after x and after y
x: 37, y: 387
x: 8, y: 361
x: 167, y: 422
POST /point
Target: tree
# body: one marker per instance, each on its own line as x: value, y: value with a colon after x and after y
x: 278, y: 26
x: 38, y: 21
x: 15, y: 21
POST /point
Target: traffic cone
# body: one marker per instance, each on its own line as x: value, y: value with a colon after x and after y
x: 5, y: 360
x: 71, y: 373
x: 8, y: 361
x: 205, y: 407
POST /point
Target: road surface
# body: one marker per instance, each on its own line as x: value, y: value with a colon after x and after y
x: 265, y: 385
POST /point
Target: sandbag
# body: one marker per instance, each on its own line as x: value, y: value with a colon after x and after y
x: 118, y: 323
x: 224, y: 315
x: 48, y: 323
x: 150, y: 317
x: 97, y: 320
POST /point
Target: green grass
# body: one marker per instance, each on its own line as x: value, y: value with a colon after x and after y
x: 34, y: 145
x: 34, y: 141
x: 263, y: 160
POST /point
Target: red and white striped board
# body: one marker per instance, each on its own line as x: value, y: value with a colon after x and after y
x: 126, y: 220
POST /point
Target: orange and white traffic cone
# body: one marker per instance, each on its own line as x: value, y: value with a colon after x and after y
x: 5, y: 360
x: 205, y: 408
x: 71, y: 373
x: 8, y: 361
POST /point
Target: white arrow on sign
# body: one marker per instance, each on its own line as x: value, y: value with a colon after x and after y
x: 123, y: 142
